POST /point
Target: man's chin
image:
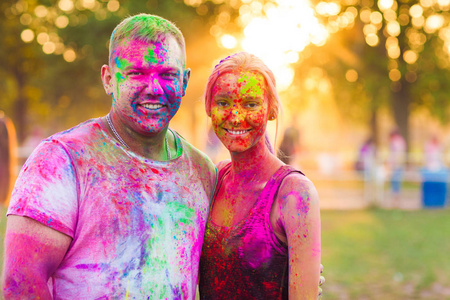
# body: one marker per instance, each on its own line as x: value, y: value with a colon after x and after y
x: 152, y: 131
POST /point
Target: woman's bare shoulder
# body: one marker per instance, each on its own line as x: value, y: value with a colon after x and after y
x: 297, y: 188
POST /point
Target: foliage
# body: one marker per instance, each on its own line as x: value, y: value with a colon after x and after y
x: 402, y: 56
x: 386, y: 53
x: 52, y: 52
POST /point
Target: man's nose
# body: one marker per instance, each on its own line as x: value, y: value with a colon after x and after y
x: 154, y: 86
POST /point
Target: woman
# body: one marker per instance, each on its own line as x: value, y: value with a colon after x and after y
x: 262, y: 239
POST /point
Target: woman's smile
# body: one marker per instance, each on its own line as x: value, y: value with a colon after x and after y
x: 239, y: 109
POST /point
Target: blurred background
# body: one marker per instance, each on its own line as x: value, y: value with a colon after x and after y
x: 366, y: 108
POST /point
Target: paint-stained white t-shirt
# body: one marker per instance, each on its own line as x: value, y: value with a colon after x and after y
x: 137, y: 225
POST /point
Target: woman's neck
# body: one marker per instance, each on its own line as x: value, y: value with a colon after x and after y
x: 255, y: 164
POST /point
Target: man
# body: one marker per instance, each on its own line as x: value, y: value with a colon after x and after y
x: 115, y: 208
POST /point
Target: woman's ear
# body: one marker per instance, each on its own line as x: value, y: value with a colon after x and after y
x: 272, y: 115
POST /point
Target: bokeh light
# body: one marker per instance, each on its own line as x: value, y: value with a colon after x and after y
x: 69, y: 55
x: 284, y: 31
x: 27, y: 35
x: 351, y: 75
x: 113, y: 5
x: 42, y: 38
x: 410, y: 56
x: 395, y: 75
x: 433, y: 23
x: 62, y: 21
x: 65, y: 5
x: 416, y: 11
x: 40, y: 11
x: 48, y: 47
x: 385, y: 4
x: 228, y: 41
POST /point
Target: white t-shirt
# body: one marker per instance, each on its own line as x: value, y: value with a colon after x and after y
x: 137, y: 225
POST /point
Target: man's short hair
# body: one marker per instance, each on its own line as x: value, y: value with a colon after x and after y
x: 147, y: 28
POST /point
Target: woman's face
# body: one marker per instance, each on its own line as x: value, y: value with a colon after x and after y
x: 239, y: 109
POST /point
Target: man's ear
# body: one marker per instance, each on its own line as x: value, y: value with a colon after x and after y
x: 187, y: 75
x: 107, y: 79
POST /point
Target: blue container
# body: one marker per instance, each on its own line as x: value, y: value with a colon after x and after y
x: 434, y: 188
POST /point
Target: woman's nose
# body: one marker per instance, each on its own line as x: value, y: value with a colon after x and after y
x: 237, y: 116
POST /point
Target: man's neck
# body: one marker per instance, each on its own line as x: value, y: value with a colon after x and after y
x: 153, y: 147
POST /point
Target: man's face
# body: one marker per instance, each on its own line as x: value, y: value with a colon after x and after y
x: 147, y: 81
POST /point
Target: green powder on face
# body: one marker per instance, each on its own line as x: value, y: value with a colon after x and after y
x: 121, y: 63
x: 252, y: 83
x: 119, y: 79
x: 150, y: 56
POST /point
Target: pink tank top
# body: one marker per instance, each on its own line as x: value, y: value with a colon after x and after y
x: 246, y: 260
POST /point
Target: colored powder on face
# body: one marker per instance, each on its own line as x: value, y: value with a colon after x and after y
x: 121, y: 63
x: 119, y: 77
x: 251, y: 86
x: 150, y: 57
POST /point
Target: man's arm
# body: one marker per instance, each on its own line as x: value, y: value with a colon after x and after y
x: 33, y: 252
x: 300, y: 217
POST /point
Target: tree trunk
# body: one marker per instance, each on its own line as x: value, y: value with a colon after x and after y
x: 401, y: 100
x: 20, y: 107
x: 374, y: 132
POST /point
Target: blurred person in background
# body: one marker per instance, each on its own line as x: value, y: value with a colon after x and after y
x: 8, y: 157
x: 262, y: 239
x: 366, y: 158
x: 396, y: 162
x: 290, y: 145
x: 116, y: 207
x: 213, y: 147
x: 434, y: 154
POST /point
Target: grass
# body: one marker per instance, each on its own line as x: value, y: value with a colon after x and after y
x: 380, y: 254
x: 386, y: 254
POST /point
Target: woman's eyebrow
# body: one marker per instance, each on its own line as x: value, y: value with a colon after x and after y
x: 252, y: 98
x: 223, y: 95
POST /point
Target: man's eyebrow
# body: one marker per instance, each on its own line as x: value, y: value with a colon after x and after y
x: 170, y: 68
x: 131, y: 67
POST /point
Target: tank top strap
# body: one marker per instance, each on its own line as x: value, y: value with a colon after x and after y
x: 271, y: 191
x: 224, y: 171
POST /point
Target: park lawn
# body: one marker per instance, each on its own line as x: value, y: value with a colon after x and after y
x: 380, y: 254
x: 386, y: 254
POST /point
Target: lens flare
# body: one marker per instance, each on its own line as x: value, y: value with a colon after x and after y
x: 282, y: 33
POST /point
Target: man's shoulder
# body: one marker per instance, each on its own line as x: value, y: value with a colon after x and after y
x: 83, y: 131
x: 195, y: 153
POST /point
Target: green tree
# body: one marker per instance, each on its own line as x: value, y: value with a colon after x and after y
x: 402, y: 58
x: 51, y: 53
x: 382, y: 53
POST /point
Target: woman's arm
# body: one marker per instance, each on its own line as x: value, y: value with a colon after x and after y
x: 300, y: 216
